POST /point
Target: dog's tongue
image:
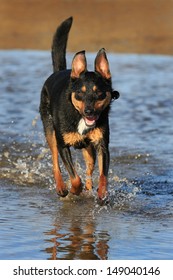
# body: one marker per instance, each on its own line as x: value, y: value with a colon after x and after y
x: 90, y: 120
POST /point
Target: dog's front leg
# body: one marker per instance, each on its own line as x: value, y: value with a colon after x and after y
x: 89, y: 156
x: 103, y: 162
x: 76, y: 185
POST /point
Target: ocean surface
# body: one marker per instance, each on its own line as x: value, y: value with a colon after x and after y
x: 138, y: 221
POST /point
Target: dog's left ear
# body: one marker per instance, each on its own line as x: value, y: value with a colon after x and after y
x: 102, y: 65
x: 79, y: 64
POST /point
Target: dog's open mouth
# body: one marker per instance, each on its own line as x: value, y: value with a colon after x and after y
x: 90, y: 120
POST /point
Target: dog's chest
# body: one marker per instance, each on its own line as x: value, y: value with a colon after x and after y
x: 79, y: 139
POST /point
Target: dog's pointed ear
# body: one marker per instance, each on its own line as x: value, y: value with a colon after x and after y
x: 79, y: 64
x: 102, y: 64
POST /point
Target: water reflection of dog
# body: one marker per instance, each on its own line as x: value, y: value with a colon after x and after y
x: 77, y: 240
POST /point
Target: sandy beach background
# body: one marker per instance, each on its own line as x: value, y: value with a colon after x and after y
x: 131, y: 26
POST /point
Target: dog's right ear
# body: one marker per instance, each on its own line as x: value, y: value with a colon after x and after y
x: 79, y: 64
x: 102, y: 64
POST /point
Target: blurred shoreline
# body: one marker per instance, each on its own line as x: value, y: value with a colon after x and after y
x: 122, y: 26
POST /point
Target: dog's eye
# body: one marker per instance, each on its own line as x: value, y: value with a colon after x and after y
x: 79, y: 95
x: 101, y: 95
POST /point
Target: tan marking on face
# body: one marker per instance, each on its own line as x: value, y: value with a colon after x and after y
x: 72, y: 138
x: 94, y: 88
x: 102, y: 104
x: 83, y: 89
x: 79, y: 105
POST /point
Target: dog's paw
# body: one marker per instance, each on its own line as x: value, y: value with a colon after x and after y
x: 76, y: 185
x: 89, y: 184
x: 103, y: 201
x: 62, y: 193
x: 102, y: 196
x: 76, y: 191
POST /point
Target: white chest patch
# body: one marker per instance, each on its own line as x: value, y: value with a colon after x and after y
x: 82, y: 126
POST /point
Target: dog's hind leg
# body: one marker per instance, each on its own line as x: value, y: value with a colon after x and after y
x: 89, y: 155
x: 51, y: 140
x: 76, y: 185
x: 60, y: 185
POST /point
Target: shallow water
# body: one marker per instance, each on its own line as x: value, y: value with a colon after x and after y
x: 138, y: 221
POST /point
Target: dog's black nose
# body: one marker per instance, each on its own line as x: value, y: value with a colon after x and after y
x: 89, y: 112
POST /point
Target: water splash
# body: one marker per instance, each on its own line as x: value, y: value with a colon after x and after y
x: 30, y: 163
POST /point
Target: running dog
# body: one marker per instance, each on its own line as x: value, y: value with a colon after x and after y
x: 74, y: 108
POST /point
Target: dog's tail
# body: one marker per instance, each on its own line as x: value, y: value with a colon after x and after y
x: 59, y: 45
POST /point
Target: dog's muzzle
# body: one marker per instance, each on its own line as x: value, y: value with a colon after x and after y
x: 90, y: 120
x: 90, y: 117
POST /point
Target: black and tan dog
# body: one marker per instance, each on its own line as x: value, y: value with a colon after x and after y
x: 74, y: 109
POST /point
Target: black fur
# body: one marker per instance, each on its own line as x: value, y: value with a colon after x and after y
x: 59, y: 45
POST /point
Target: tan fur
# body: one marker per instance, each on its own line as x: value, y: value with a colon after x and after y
x: 73, y: 138
x: 51, y: 139
x: 102, y: 104
x: 89, y: 160
x: 79, y: 105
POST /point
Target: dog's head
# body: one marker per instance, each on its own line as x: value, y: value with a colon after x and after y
x: 91, y: 91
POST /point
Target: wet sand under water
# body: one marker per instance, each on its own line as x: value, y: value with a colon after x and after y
x: 138, y: 221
